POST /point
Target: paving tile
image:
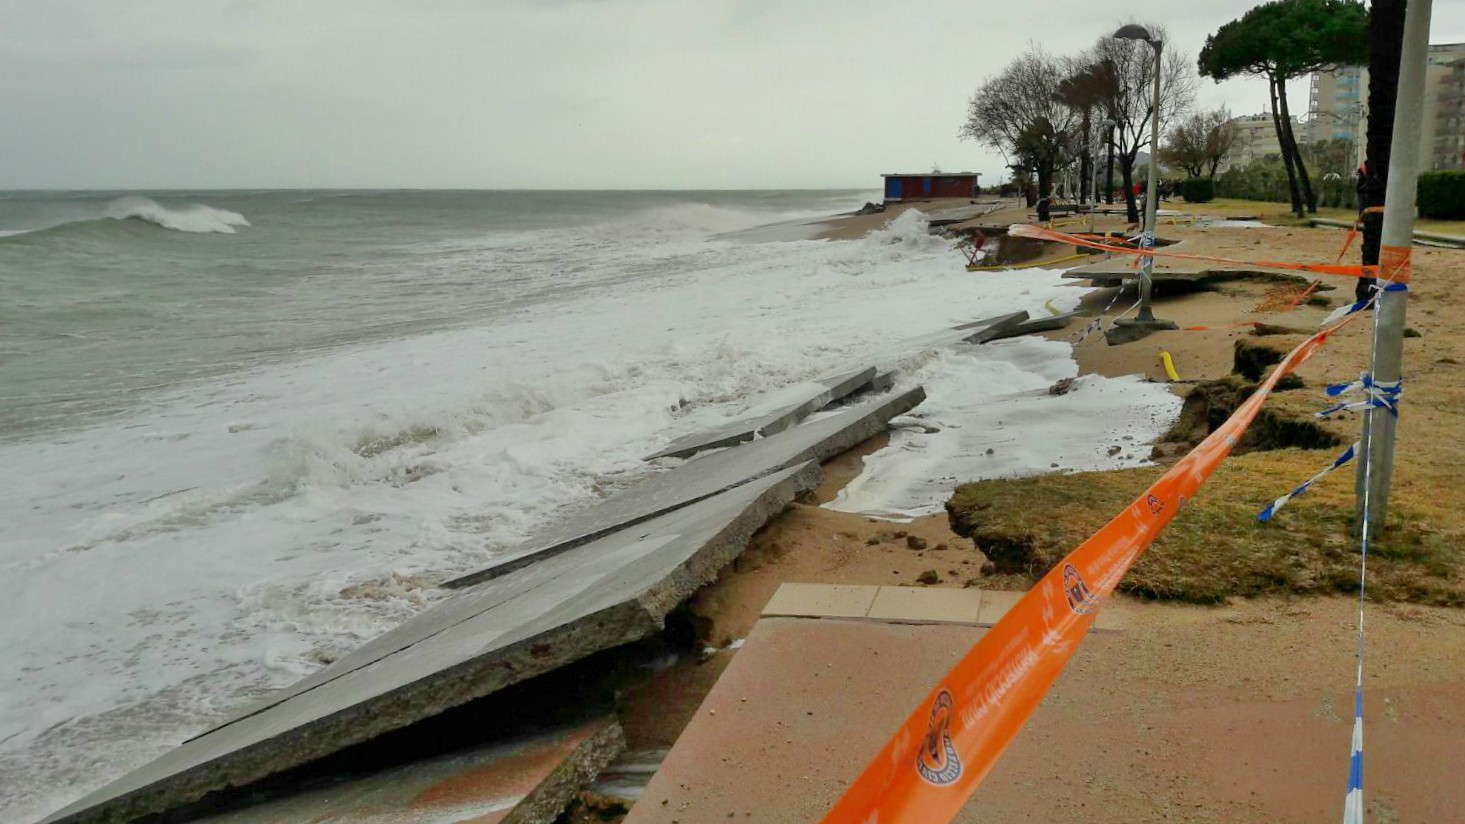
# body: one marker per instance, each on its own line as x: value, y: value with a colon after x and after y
x: 995, y: 604
x: 821, y: 600
x: 925, y: 605
x: 796, y: 715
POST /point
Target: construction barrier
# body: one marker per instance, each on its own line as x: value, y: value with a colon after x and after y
x: 926, y: 772
x: 1394, y: 262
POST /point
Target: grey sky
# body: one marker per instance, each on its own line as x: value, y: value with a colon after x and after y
x: 564, y: 94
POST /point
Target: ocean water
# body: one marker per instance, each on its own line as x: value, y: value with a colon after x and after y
x: 243, y: 432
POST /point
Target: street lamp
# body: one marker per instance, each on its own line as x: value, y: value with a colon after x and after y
x: 1146, y: 322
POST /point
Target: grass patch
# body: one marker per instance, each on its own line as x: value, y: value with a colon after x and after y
x: 1209, y: 403
x: 1216, y: 549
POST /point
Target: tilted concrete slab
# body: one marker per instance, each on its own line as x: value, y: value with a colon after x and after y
x: 811, y: 397
x: 704, y: 476
x: 1115, y: 273
x: 1028, y: 327
x: 605, y: 593
x: 527, y: 779
x: 978, y: 331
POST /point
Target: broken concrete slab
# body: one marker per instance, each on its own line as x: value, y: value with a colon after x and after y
x: 771, y: 418
x: 983, y: 330
x: 530, y: 779
x: 1117, y: 273
x: 605, y: 593
x: 704, y: 476
x: 1028, y: 327
x: 977, y: 331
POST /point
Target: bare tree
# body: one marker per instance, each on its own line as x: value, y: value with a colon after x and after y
x: 1018, y: 112
x: 1200, y: 142
x: 1132, y: 101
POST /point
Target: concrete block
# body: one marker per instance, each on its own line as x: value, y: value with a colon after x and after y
x: 821, y: 601
x: 1027, y: 327
x: 923, y: 605
x: 599, y: 595
x: 704, y: 476
x: 529, y: 779
x: 772, y: 419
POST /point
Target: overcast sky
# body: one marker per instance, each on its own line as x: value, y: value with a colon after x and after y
x: 581, y: 94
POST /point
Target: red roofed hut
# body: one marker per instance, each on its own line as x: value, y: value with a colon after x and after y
x: 928, y: 185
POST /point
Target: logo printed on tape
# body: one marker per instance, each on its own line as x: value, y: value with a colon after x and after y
x: 938, y: 761
x: 1080, y: 600
x: 1156, y: 505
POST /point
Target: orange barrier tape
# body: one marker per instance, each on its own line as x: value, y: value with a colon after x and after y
x: 1039, y: 233
x: 1397, y: 263
x: 939, y: 756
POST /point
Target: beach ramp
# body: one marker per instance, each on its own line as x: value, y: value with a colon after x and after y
x: 605, y: 593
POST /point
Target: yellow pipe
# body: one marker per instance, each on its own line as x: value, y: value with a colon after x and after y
x: 1052, y: 310
x: 1169, y: 365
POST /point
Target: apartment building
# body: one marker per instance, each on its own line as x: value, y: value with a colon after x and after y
x: 1338, y: 107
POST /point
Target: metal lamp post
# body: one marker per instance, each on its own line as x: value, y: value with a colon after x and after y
x: 1376, y: 472
x: 1147, y: 322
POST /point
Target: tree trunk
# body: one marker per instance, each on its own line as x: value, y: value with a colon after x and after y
x: 1086, y: 162
x: 1045, y: 190
x: 1109, y: 175
x: 1126, y: 172
x: 1385, y: 50
x: 1308, y: 196
x: 1297, y: 206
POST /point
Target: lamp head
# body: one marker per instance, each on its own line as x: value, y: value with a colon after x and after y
x: 1134, y: 31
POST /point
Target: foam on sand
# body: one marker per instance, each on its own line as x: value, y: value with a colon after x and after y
x: 989, y: 414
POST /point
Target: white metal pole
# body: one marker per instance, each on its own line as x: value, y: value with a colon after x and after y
x: 1394, y: 255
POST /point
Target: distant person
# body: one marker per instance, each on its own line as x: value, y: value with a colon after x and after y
x: 1362, y: 290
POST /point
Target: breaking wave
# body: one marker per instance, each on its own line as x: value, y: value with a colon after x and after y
x: 196, y: 218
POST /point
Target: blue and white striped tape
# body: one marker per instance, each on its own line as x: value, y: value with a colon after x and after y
x: 1378, y: 394
x: 1266, y: 514
x: 1344, y: 311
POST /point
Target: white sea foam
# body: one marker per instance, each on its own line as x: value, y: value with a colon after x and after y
x: 988, y: 414
x: 176, y: 563
x: 196, y: 218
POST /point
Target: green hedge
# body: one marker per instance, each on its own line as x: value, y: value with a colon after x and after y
x: 1198, y: 190
x: 1442, y: 195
